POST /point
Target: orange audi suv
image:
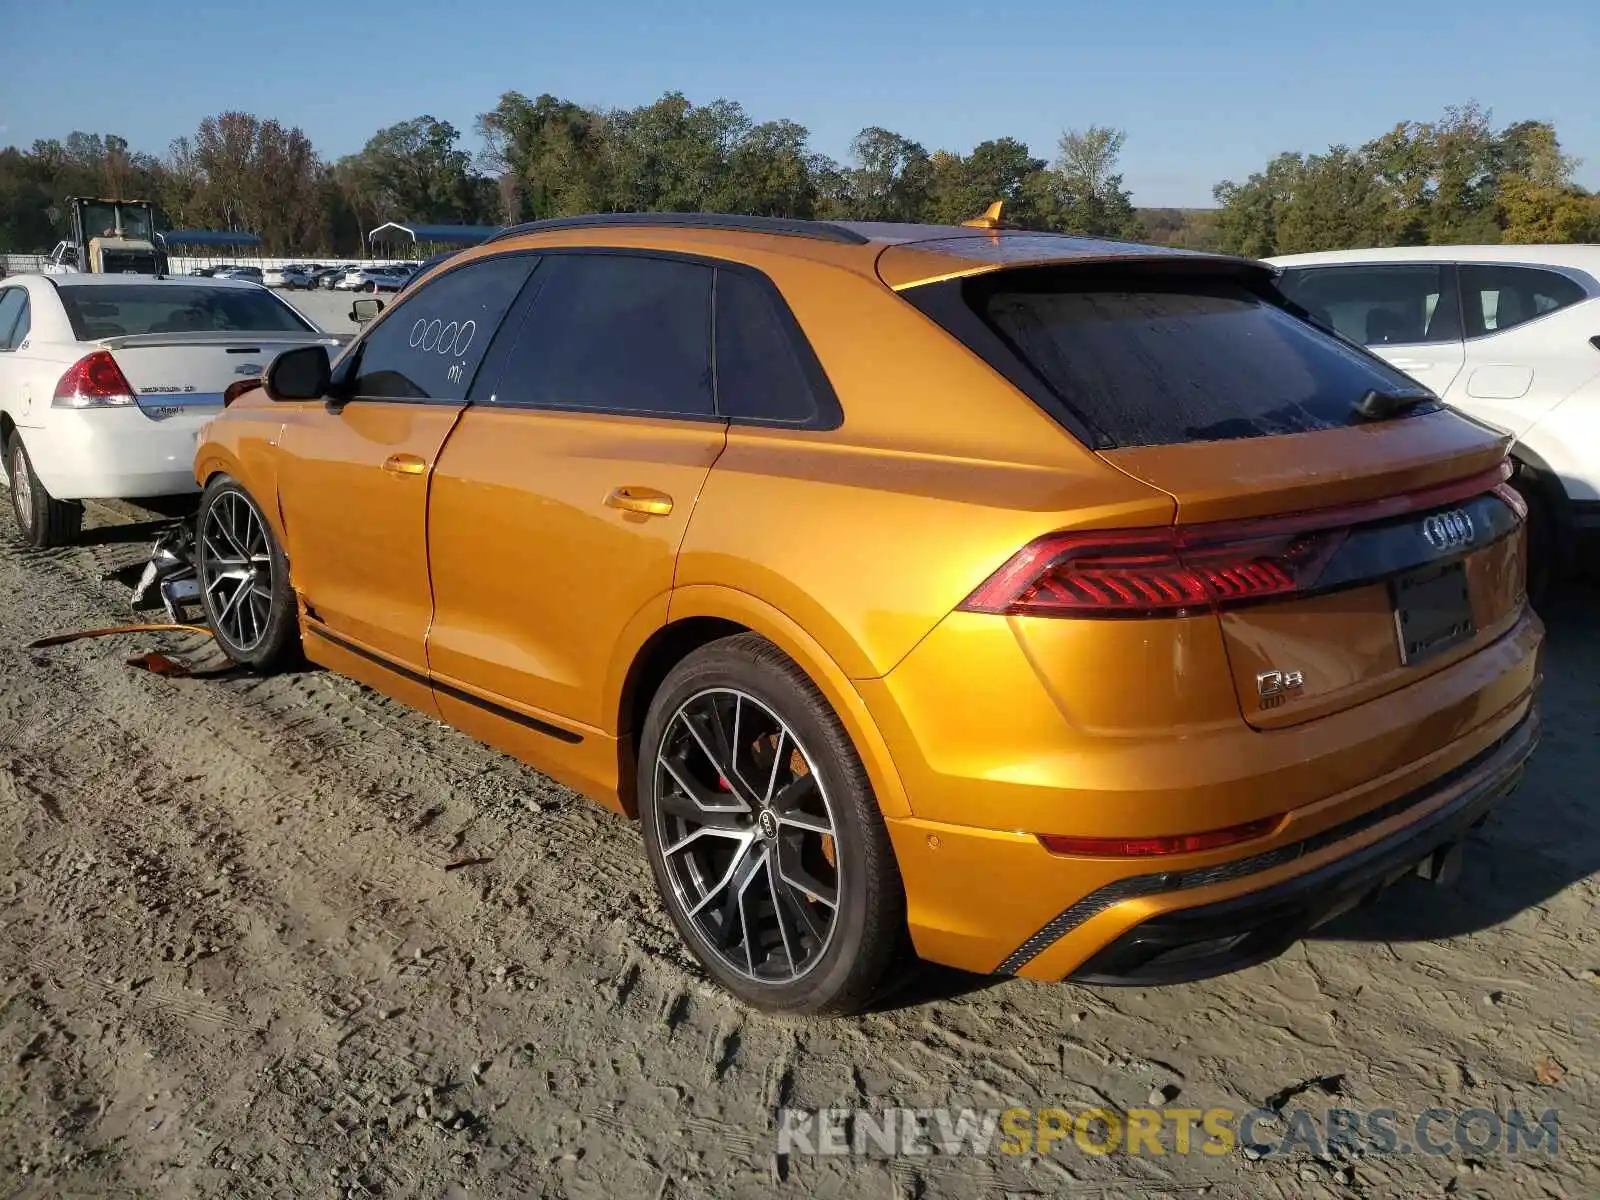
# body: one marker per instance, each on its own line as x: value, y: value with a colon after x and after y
x: 1047, y: 606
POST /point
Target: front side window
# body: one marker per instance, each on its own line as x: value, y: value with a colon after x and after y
x: 617, y: 333
x: 1498, y: 298
x: 430, y: 346
x: 1379, y: 305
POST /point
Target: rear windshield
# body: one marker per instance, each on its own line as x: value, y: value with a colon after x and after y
x: 1145, y: 360
x: 119, y: 309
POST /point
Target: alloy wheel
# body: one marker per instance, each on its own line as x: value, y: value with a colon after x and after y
x: 747, y: 835
x: 22, y: 486
x: 236, y: 569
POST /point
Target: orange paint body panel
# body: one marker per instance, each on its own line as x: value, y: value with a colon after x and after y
x: 356, y: 530
x: 519, y: 568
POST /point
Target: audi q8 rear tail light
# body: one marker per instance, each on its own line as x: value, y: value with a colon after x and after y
x: 1184, y: 570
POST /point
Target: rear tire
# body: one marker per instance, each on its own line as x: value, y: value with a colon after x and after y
x: 765, y: 839
x: 43, y: 521
x: 244, y: 578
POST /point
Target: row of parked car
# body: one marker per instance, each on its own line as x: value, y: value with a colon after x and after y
x: 350, y: 277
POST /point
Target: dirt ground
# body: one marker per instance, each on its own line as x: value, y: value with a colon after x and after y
x: 236, y: 961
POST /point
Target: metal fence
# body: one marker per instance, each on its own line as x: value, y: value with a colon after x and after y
x: 18, y: 264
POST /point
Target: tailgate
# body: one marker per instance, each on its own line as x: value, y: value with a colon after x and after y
x: 1412, y: 559
x: 177, y: 374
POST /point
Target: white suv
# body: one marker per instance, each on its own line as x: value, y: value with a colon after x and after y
x: 1508, y: 334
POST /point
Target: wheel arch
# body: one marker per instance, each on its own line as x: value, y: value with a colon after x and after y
x: 702, y: 613
x: 214, y: 458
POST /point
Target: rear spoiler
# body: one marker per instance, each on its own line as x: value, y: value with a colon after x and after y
x: 281, y: 340
x: 910, y: 264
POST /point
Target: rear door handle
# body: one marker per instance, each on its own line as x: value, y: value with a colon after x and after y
x: 647, y: 501
x: 405, y: 464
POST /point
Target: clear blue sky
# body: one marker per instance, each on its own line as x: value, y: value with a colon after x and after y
x: 1204, y: 90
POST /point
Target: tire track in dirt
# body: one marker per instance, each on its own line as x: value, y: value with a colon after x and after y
x: 234, y: 964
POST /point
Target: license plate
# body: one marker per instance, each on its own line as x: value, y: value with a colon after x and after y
x: 1432, y: 611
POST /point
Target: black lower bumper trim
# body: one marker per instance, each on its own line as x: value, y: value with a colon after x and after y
x: 1210, y: 939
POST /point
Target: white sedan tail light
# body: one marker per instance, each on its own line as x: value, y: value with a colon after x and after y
x: 94, y: 381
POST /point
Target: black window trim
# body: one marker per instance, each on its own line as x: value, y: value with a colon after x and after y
x: 348, y: 367
x: 829, y: 414
x: 944, y: 303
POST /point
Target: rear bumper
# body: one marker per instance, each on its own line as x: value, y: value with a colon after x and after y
x: 115, y: 453
x: 1194, y: 943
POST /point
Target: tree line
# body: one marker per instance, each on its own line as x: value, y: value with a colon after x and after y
x: 1455, y: 179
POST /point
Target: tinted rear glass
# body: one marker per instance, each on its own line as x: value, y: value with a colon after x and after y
x: 1148, y: 361
x: 116, y: 310
x: 760, y: 373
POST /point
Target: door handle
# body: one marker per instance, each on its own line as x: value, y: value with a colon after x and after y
x: 647, y: 501
x: 405, y: 464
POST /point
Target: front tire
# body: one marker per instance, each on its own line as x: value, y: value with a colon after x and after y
x: 244, y: 578
x: 43, y: 521
x: 764, y: 836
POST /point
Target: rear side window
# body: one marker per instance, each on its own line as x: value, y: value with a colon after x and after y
x: 761, y: 375
x: 119, y: 309
x: 1147, y: 360
x: 13, y: 317
x: 1499, y: 298
x: 1386, y: 305
x: 429, y: 348
x: 615, y: 333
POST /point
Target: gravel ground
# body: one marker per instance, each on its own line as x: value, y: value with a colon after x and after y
x: 328, y: 310
x: 237, y: 961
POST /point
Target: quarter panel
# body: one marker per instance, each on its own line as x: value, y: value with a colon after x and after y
x: 867, y: 549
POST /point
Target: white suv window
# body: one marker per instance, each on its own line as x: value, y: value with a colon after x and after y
x: 1497, y: 298
x: 1385, y: 305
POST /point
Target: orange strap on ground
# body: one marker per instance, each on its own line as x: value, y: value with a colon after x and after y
x: 61, y: 639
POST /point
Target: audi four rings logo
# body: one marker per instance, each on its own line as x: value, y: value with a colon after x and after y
x: 1446, y: 531
x: 443, y: 338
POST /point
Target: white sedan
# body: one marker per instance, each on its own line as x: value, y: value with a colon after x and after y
x: 105, y: 381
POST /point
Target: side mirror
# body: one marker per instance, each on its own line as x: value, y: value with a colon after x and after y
x: 365, y: 309
x: 299, y: 374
